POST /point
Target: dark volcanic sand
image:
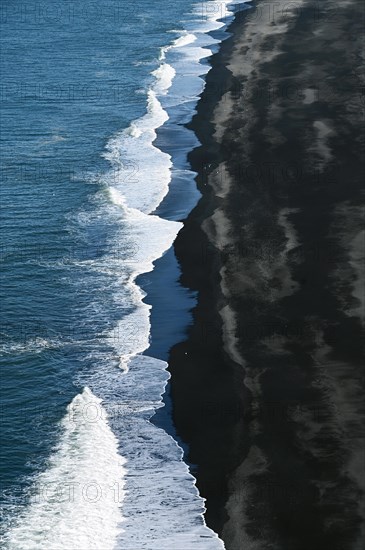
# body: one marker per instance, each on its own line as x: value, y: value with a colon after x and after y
x: 267, y: 390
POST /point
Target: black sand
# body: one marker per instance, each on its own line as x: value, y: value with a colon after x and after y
x: 267, y: 390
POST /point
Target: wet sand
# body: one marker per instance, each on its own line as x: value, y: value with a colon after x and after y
x: 267, y: 390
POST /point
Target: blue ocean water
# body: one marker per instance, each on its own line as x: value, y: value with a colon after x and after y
x: 88, y: 204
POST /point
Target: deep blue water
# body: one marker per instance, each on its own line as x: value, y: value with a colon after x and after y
x: 71, y: 79
x: 74, y: 77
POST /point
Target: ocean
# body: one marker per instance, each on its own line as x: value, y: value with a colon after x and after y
x: 95, y: 183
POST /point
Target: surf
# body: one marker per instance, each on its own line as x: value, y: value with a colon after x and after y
x: 158, y: 504
x: 76, y: 502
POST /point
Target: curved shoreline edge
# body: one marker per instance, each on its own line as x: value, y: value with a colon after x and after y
x: 267, y: 388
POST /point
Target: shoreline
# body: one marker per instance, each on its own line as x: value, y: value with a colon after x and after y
x: 199, y: 265
x: 266, y: 388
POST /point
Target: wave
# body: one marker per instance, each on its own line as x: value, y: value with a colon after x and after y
x: 143, y: 183
x: 76, y: 502
x: 28, y: 346
x: 183, y: 40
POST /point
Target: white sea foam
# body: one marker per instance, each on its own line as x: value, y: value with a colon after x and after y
x: 215, y: 15
x: 183, y: 40
x: 154, y: 236
x: 76, y: 502
x: 140, y: 171
x: 28, y: 345
x: 164, y: 76
x: 162, y: 508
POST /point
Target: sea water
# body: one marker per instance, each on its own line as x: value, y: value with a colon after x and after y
x: 85, y: 87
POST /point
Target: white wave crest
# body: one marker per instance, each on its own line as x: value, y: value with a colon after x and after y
x: 164, y: 76
x: 76, y: 501
x: 185, y: 39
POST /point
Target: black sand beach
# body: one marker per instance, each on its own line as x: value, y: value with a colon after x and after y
x: 267, y: 390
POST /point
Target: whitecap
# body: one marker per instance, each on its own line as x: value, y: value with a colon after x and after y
x: 76, y: 502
